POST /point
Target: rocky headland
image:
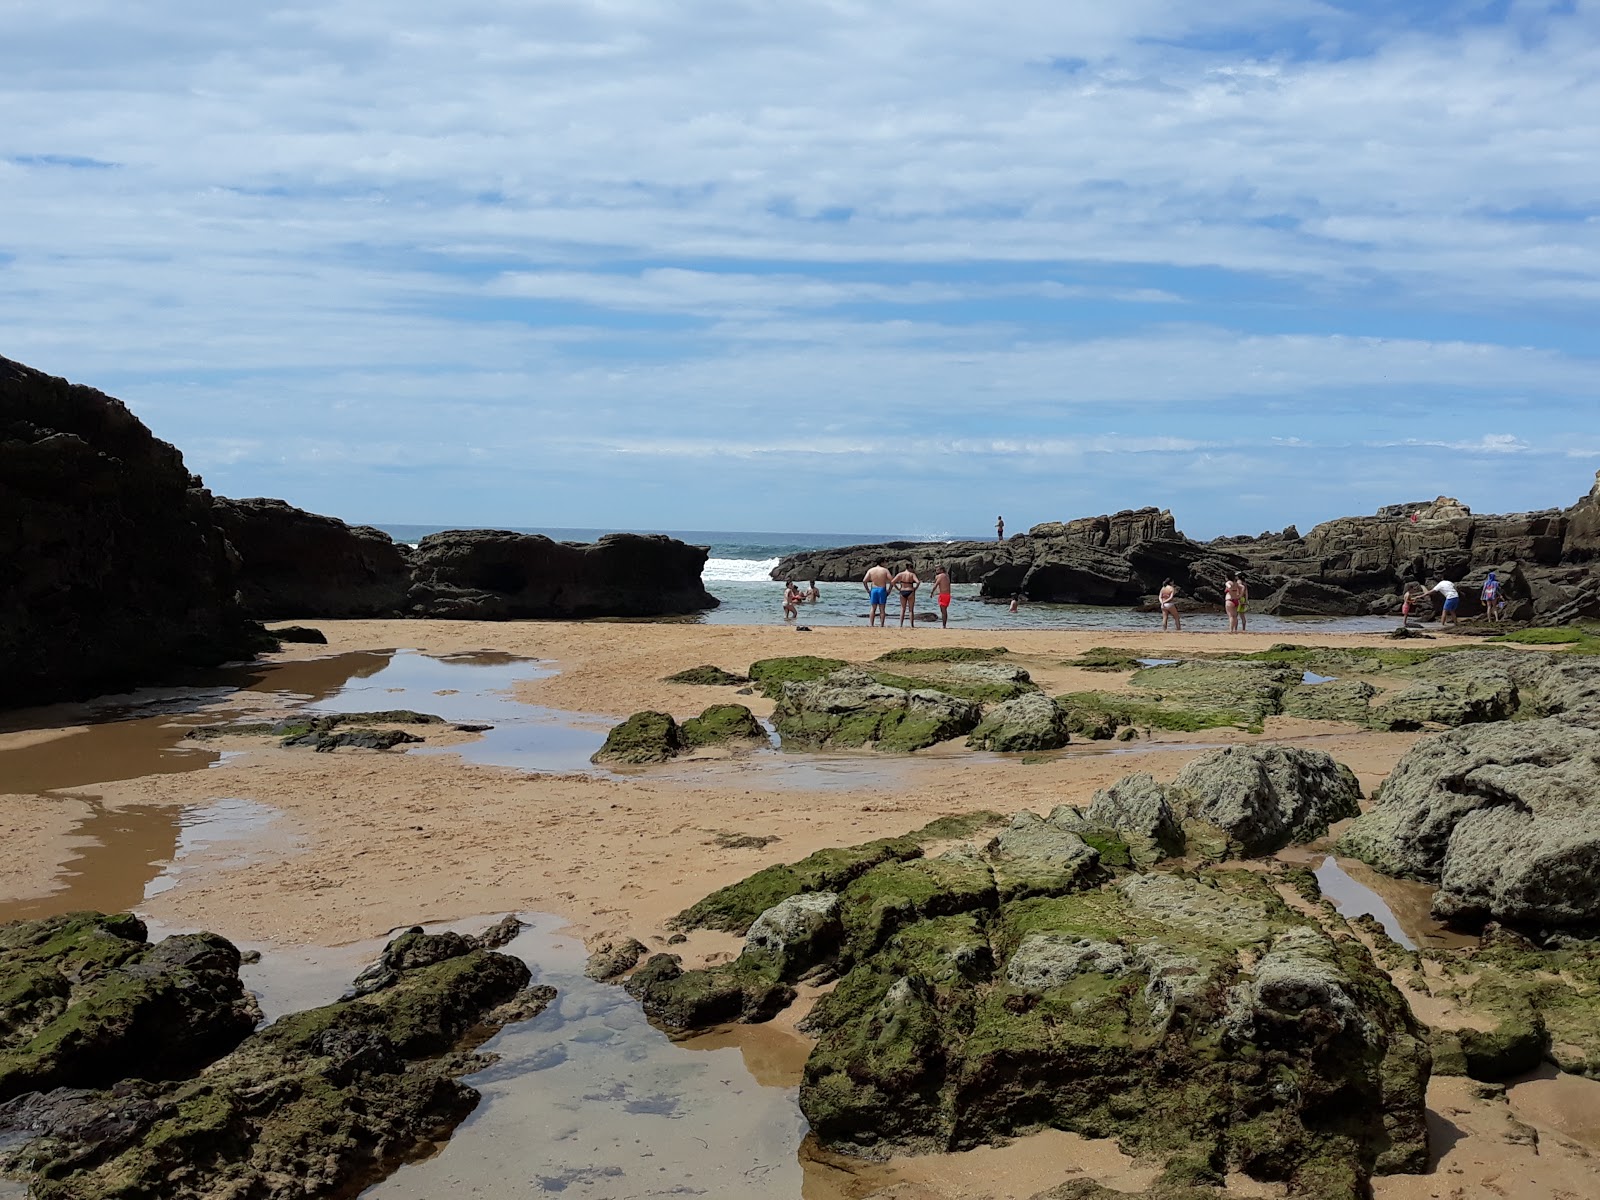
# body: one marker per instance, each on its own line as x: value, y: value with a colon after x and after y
x: 1547, y: 561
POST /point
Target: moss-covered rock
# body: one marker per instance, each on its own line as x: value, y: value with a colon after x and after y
x: 1109, y: 659
x: 770, y: 674
x: 329, y: 731
x: 1252, y: 800
x: 850, y: 709
x: 1347, y: 700
x: 707, y: 676
x: 1098, y: 715
x: 943, y: 654
x: 1029, y: 722
x: 1036, y: 857
x: 743, y: 990
x: 645, y: 737
x: 85, y: 1001
x: 1137, y: 808
x: 723, y: 725
x: 733, y: 908
x: 1221, y: 693
x: 316, y: 1104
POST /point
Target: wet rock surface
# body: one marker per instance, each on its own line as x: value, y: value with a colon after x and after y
x: 850, y: 709
x: 330, y: 732
x: 315, y: 1104
x: 1198, y: 1019
x: 1504, y: 818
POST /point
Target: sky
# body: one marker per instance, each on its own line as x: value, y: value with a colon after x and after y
x: 822, y: 265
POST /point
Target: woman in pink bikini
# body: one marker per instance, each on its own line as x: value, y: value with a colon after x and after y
x: 1169, y: 607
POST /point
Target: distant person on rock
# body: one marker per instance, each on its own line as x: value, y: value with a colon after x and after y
x: 1491, y: 597
x: 999, y: 529
x: 1169, y: 606
x: 812, y: 595
x: 791, y: 600
x: 876, y: 583
x: 1452, y: 601
x: 907, y: 583
x: 941, y: 593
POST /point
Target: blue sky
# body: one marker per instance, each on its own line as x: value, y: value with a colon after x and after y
x: 724, y: 264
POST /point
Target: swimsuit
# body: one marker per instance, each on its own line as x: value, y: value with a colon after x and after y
x: 1450, y: 604
x: 880, y: 595
x: 944, y: 599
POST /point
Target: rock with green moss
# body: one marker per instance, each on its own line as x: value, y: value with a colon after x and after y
x: 730, y: 725
x: 329, y: 731
x: 1108, y: 659
x: 849, y: 709
x: 1200, y: 1022
x: 796, y: 934
x: 1504, y: 818
x: 732, y: 909
x: 896, y: 894
x: 86, y: 1001
x: 316, y: 1104
x: 1223, y: 693
x: 707, y: 676
x: 943, y: 654
x: 1030, y: 722
x: 645, y: 737
x: 1252, y: 800
x: 770, y: 674
x: 1138, y: 808
x: 1347, y: 700
x: 1037, y: 857
x: 746, y: 989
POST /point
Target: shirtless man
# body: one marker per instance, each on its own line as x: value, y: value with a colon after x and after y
x: 812, y: 595
x: 907, y: 583
x: 876, y: 584
x: 941, y: 593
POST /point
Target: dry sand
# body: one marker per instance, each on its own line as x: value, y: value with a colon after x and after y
x: 366, y: 842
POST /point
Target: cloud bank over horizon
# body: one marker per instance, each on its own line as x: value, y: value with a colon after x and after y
x: 828, y: 266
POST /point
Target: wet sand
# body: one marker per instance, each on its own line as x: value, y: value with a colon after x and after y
x: 110, y: 806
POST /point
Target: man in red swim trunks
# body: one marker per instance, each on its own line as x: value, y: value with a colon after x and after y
x: 941, y: 592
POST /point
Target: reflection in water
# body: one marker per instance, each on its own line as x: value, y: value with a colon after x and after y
x: 1403, y: 907
x: 121, y: 849
x: 589, y: 1100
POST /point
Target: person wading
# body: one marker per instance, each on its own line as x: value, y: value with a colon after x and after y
x: 876, y: 584
x: 941, y: 593
x: 907, y: 583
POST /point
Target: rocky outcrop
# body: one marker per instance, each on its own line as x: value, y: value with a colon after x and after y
x: 293, y: 563
x: 849, y: 709
x: 654, y: 737
x: 1344, y: 567
x: 113, y: 571
x: 315, y: 1104
x: 494, y: 575
x: 1031, y: 721
x: 1200, y: 1021
x: 1504, y: 818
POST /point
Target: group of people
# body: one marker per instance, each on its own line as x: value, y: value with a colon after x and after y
x: 878, y: 584
x: 1235, y: 602
x: 793, y: 597
x: 1494, y: 601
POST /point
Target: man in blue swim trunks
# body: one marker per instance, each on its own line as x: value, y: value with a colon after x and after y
x: 1452, y: 601
x: 876, y: 583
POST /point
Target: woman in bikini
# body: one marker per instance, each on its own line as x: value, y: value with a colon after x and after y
x: 1169, y: 607
x: 1230, y: 603
x: 906, y: 584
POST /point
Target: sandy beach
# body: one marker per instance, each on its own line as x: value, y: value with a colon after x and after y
x: 350, y: 845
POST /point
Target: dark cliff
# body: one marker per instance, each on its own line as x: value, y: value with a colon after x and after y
x: 112, y: 571
x: 293, y: 563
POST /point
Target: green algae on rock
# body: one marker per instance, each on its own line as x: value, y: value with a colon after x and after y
x: 645, y: 737
x: 86, y: 1001
x: 1201, y: 1021
x: 770, y: 674
x: 707, y: 676
x: 316, y: 1104
x: 1029, y: 722
x: 849, y: 709
x: 723, y: 725
x: 943, y: 654
x: 330, y: 731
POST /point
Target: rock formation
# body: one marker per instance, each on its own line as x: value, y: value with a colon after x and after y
x: 493, y: 575
x: 1344, y: 567
x: 293, y: 563
x: 113, y: 572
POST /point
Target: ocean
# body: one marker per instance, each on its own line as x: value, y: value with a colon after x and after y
x: 738, y: 574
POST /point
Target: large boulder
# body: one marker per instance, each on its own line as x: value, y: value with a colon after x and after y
x: 294, y: 563
x: 113, y: 572
x: 849, y: 709
x: 1505, y: 818
x: 1253, y: 800
x: 318, y: 1103
x: 1136, y: 807
x: 796, y: 934
x: 496, y: 575
x: 89, y: 1001
x: 1032, y: 721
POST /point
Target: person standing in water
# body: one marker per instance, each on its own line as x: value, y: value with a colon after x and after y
x: 876, y: 584
x: 791, y: 600
x: 941, y: 593
x: 812, y: 595
x: 999, y: 529
x: 1230, y: 603
x: 907, y: 583
x: 1169, y: 607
